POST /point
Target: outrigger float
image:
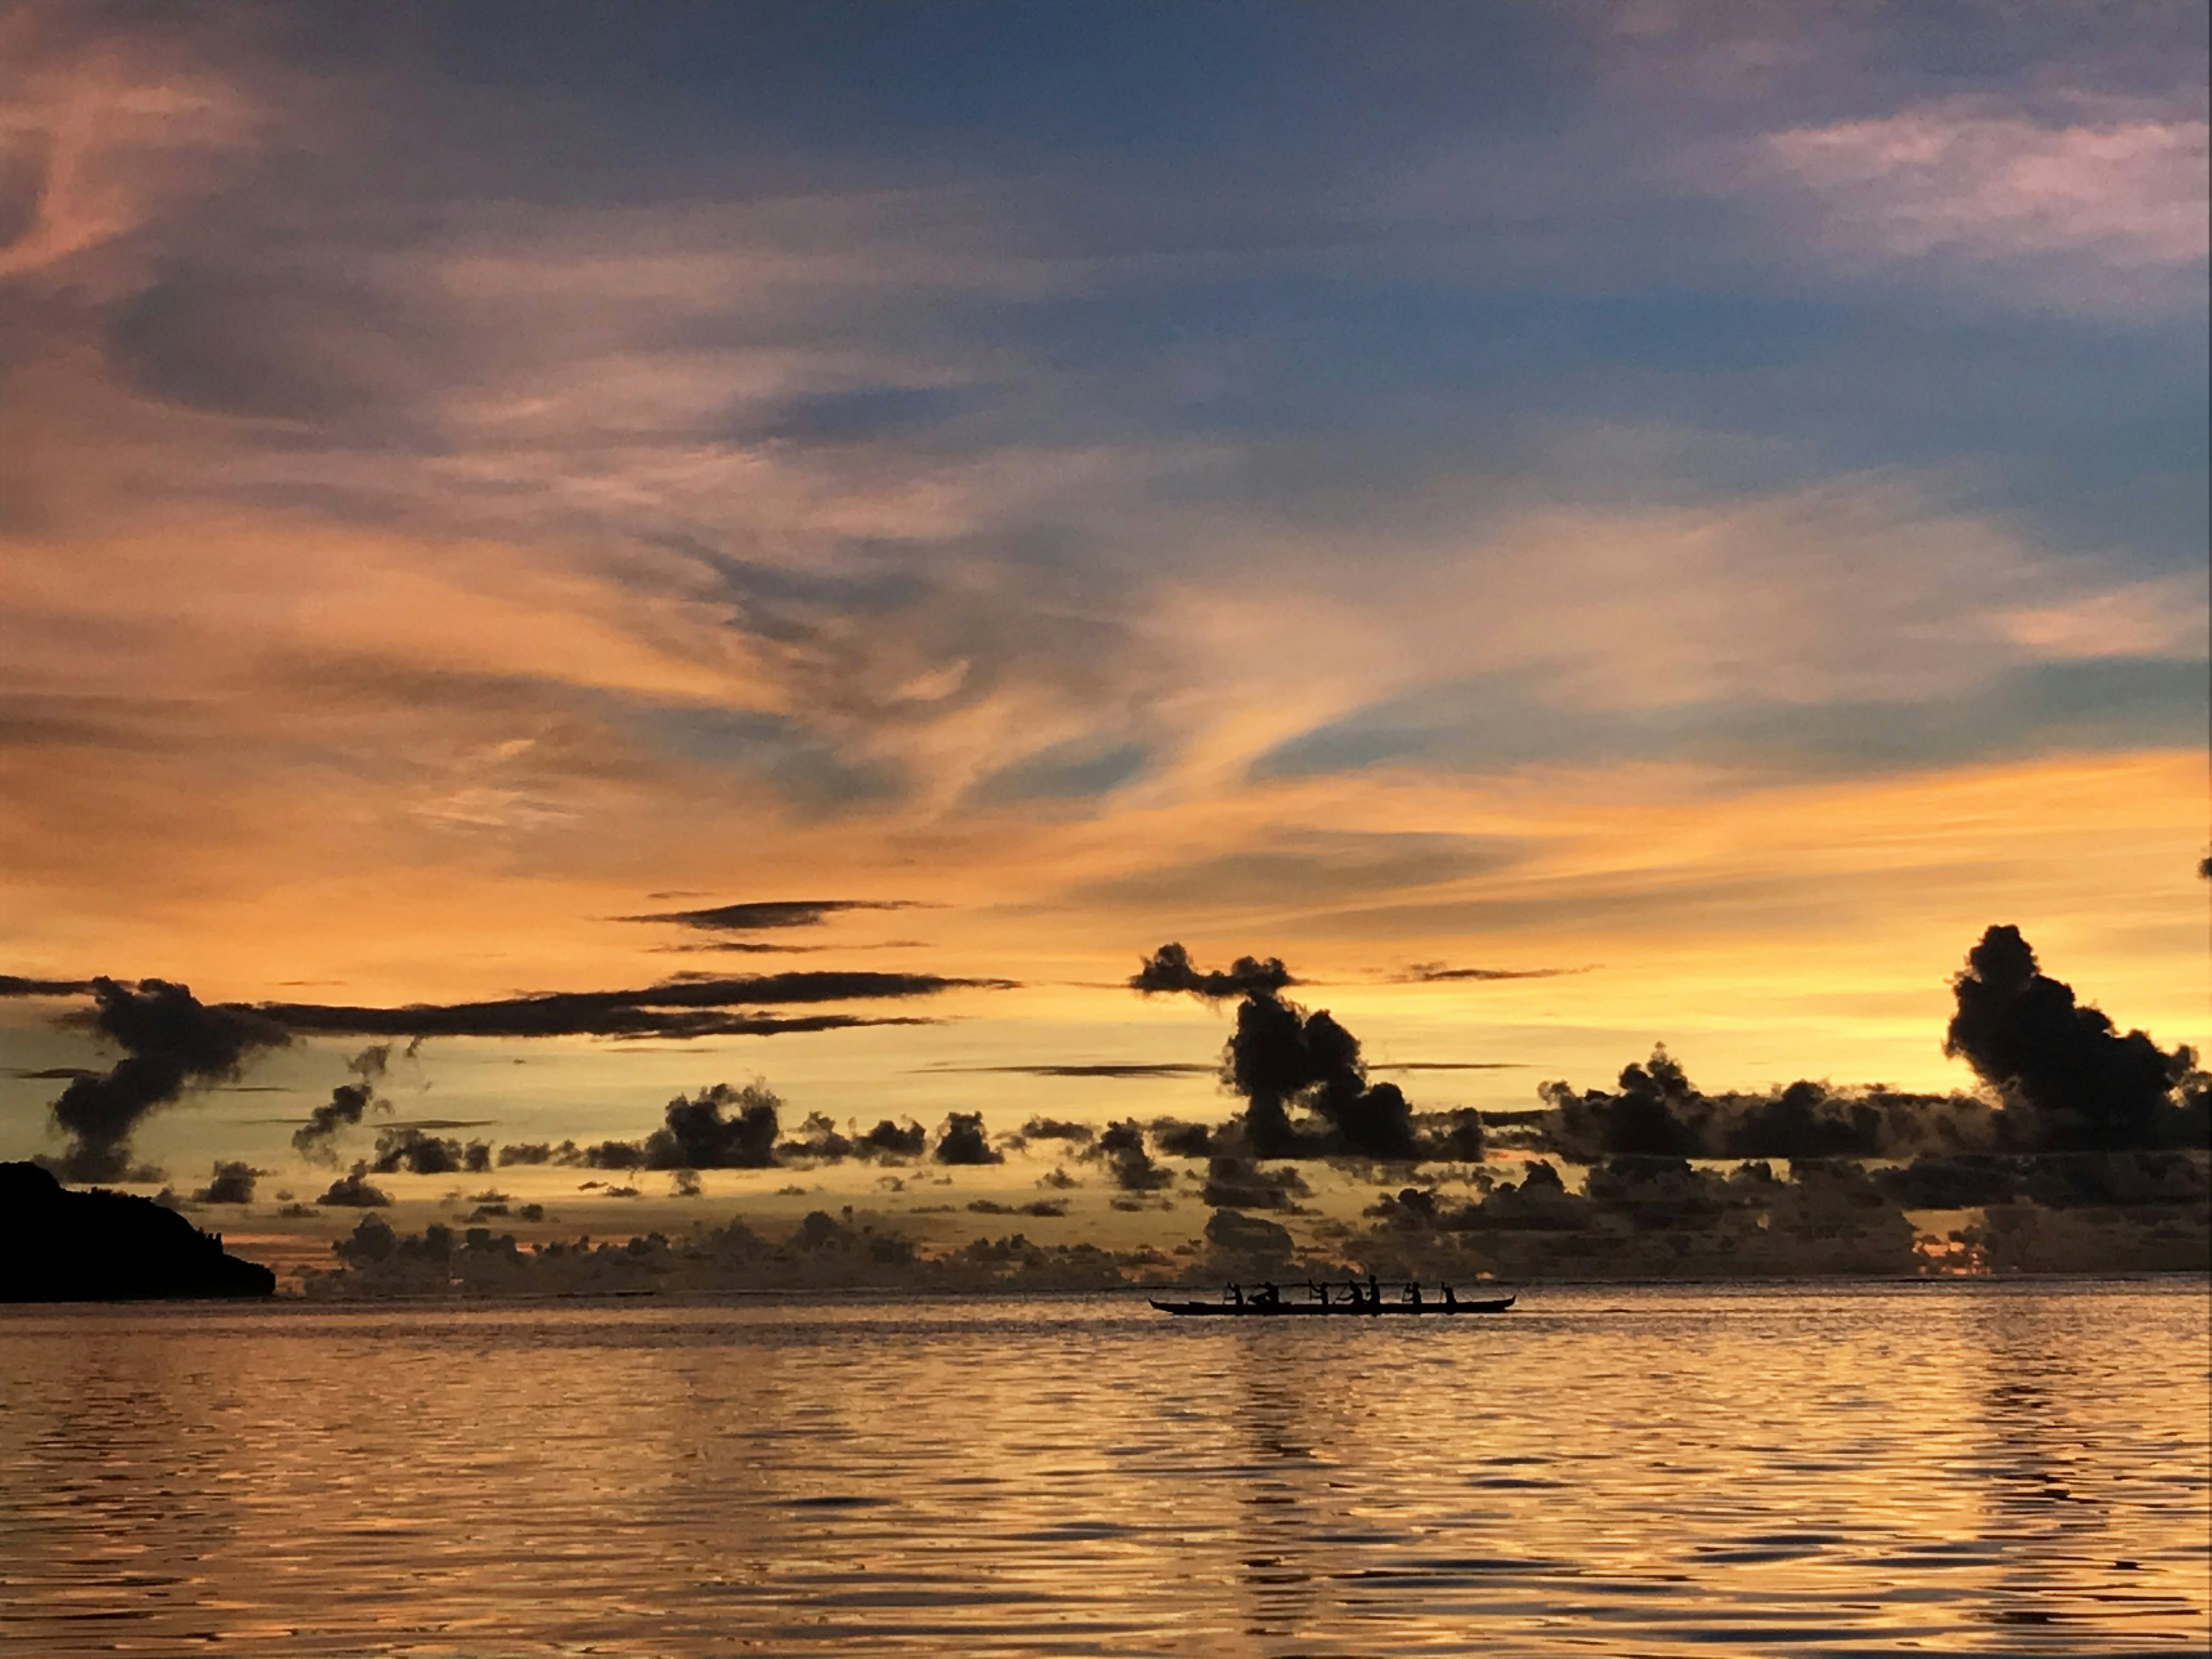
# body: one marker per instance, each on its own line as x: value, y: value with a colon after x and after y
x: 1267, y: 1305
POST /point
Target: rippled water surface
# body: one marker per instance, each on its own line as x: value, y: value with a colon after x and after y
x: 1988, y: 1470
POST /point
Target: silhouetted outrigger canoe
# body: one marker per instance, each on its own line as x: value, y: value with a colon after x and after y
x: 1361, y: 1310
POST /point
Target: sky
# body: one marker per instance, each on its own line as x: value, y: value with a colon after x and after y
x: 1572, y: 526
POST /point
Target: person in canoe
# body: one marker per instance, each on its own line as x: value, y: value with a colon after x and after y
x: 1451, y: 1301
x: 1235, y: 1295
x: 1268, y: 1297
x: 1320, y: 1290
x: 1414, y: 1294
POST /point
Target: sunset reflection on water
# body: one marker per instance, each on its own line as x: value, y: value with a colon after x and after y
x: 1965, y: 1467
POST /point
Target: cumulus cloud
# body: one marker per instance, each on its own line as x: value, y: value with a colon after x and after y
x: 1169, y: 969
x: 718, y: 1129
x: 819, y: 1141
x: 170, y: 1041
x: 408, y: 1149
x: 2070, y: 1082
x: 1052, y: 1128
x: 1281, y: 1058
x: 1120, y: 1148
x: 315, y: 1138
x: 353, y: 1191
x: 1240, y: 1183
x: 1658, y: 1112
x: 230, y: 1183
x: 961, y: 1139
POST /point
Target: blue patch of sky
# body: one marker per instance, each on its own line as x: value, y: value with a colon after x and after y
x: 1065, y: 772
x: 1496, y: 723
x: 805, y: 772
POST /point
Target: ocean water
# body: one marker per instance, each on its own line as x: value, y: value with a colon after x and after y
x: 1948, y: 1467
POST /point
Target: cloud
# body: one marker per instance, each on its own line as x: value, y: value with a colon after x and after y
x: 353, y: 1191
x: 1291, y: 869
x: 1050, y: 1128
x: 1250, y: 1243
x: 961, y: 1139
x: 110, y: 131
x: 689, y: 1007
x: 819, y: 1141
x: 1048, y: 1207
x: 1135, y: 1070
x: 417, y: 1153
x: 230, y: 1183
x: 1169, y: 969
x: 1280, y: 1057
x: 315, y: 1139
x: 1120, y: 1148
x: 15, y: 985
x: 755, y: 916
x: 2096, y: 213
x: 719, y: 1128
x: 2069, y: 1081
x: 1238, y: 1183
x: 1180, y: 1140
x: 1658, y: 1112
x: 171, y: 1041
x: 1438, y: 973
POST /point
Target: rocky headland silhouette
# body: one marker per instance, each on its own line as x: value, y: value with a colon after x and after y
x: 60, y: 1245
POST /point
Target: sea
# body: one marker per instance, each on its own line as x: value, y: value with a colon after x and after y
x: 1953, y: 1466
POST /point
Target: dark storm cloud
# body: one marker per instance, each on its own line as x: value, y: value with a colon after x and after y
x: 1169, y: 969
x: 353, y: 1191
x: 1658, y: 1112
x: 315, y: 1138
x: 171, y: 1041
x: 962, y: 1140
x: 762, y: 913
x: 675, y: 1008
x: 2069, y: 1082
x: 1120, y: 1148
x: 230, y: 1183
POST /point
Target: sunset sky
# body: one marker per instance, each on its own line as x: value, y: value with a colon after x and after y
x: 1692, y: 511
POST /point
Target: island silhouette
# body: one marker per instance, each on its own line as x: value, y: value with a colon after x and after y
x: 57, y: 1245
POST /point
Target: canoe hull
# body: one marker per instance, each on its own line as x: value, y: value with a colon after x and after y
x: 1316, y: 1309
